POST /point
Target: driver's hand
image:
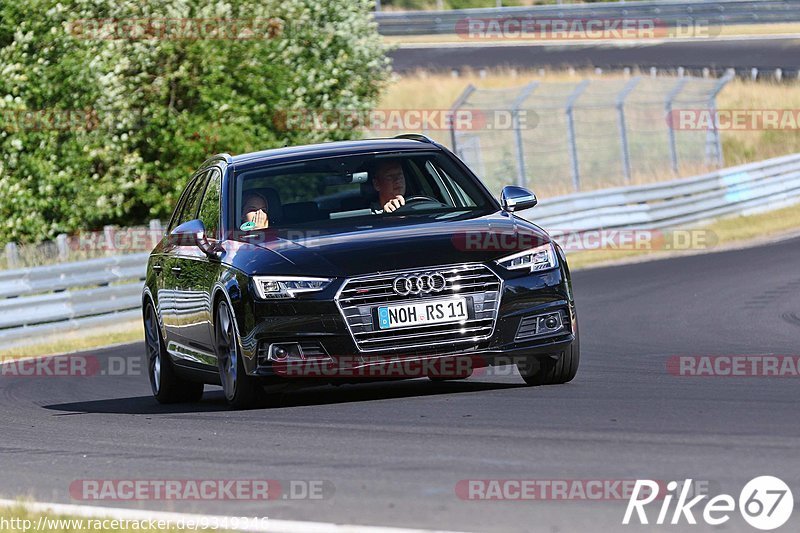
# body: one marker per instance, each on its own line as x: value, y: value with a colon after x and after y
x: 259, y: 218
x: 394, y: 204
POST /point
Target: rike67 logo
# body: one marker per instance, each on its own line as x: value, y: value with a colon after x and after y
x: 765, y: 503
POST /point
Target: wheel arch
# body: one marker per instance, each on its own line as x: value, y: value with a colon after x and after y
x: 147, y: 297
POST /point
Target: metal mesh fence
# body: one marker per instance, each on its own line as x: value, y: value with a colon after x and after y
x: 590, y: 134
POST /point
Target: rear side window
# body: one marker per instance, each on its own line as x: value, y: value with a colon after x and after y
x: 209, y: 209
x: 173, y: 221
x: 192, y: 200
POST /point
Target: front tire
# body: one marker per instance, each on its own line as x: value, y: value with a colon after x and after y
x: 241, y: 391
x: 547, y: 371
x: 166, y: 385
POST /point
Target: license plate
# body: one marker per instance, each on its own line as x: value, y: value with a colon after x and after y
x: 429, y: 312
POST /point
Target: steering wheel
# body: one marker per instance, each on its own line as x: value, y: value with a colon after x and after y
x: 420, y: 198
x: 413, y: 201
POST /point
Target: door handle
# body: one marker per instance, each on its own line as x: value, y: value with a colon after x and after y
x: 157, y: 269
x: 176, y: 270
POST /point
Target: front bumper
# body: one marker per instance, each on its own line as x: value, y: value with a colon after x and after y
x: 317, y: 319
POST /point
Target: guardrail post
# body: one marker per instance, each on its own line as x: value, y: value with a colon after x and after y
x: 573, y: 148
x: 108, y: 238
x: 62, y: 246
x: 713, y: 139
x: 673, y: 149
x: 460, y: 101
x: 156, y: 231
x: 623, y: 131
x: 12, y: 255
x: 515, y: 108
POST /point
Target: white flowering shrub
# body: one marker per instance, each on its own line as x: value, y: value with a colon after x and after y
x: 103, y: 121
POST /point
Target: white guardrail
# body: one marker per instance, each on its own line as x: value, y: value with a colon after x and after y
x: 47, y: 300
x: 55, y: 299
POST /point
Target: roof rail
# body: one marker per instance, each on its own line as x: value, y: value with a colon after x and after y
x: 415, y: 137
x: 225, y: 157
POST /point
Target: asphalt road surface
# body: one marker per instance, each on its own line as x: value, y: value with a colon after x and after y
x: 392, y: 454
x: 718, y: 54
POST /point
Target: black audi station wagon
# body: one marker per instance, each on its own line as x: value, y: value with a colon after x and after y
x: 344, y: 262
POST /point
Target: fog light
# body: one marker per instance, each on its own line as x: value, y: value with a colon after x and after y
x: 548, y: 324
x: 279, y: 353
x: 541, y: 325
x: 289, y: 351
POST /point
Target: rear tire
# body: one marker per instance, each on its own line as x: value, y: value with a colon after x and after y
x: 166, y: 385
x: 241, y: 391
x: 548, y: 371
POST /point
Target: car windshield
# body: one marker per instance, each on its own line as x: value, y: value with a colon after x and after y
x: 322, y: 191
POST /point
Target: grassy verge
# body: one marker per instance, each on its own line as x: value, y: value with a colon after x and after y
x: 724, y: 233
x: 80, y: 340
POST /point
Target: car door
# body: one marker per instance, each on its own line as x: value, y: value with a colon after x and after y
x: 175, y: 280
x: 162, y: 263
x: 195, y: 274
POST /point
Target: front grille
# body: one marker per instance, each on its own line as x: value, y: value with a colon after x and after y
x: 359, y: 296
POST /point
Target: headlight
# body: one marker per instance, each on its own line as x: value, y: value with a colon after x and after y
x: 287, y: 286
x: 534, y: 260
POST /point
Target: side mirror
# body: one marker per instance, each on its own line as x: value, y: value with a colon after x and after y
x: 193, y: 233
x: 515, y: 198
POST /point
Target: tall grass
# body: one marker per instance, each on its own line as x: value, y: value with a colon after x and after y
x: 423, y: 90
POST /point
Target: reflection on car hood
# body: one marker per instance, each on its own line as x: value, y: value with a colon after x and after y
x: 391, y: 244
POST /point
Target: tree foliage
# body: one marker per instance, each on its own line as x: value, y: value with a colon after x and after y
x: 105, y: 127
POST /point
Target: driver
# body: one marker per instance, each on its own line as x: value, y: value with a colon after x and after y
x: 390, y: 182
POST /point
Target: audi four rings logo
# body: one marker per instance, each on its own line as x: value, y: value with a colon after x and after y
x: 424, y: 283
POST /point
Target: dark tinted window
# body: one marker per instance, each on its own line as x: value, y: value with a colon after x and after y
x: 192, y: 203
x: 173, y: 221
x: 209, y: 209
x: 322, y: 191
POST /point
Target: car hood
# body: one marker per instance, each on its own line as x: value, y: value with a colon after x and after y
x: 393, y: 243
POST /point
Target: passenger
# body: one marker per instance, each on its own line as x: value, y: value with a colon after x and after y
x: 254, y: 209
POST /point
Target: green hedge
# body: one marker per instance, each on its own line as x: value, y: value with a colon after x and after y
x: 100, y: 128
